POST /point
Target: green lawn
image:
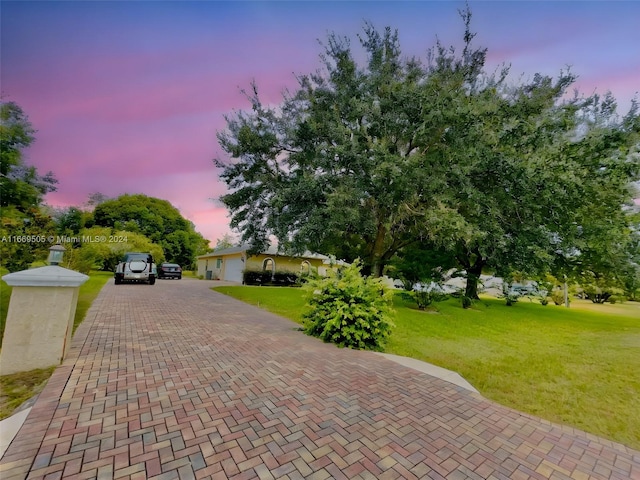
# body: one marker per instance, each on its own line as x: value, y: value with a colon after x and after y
x: 88, y: 292
x: 5, y: 294
x: 577, y: 366
x: 288, y: 302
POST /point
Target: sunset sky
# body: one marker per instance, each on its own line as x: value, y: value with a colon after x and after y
x: 126, y: 97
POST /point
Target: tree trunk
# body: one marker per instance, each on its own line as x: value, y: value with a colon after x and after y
x: 473, y: 263
x: 377, y: 252
x: 473, y: 277
x: 377, y: 268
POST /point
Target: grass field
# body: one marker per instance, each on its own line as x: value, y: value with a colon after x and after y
x: 88, y: 292
x: 17, y: 388
x: 577, y: 366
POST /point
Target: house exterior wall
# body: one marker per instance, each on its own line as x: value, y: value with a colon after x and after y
x: 286, y: 263
x: 210, y: 264
x: 289, y: 264
x: 203, y: 265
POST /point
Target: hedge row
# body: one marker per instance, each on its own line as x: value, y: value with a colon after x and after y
x: 279, y: 278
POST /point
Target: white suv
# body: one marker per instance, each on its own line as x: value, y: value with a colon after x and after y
x: 136, y: 267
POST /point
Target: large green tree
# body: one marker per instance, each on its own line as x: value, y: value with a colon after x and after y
x: 341, y: 166
x: 70, y: 220
x: 538, y: 176
x: 21, y: 186
x: 631, y: 269
x: 158, y: 220
x: 369, y: 160
x: 607, y: 262
x: 25, y: 225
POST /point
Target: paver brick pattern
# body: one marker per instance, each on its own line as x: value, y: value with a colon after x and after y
x: 174, y: 381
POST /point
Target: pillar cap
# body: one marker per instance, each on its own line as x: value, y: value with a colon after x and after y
x: 49, y: 276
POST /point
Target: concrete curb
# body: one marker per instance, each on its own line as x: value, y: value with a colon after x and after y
x: 9, y: 427
x: 433, y: 370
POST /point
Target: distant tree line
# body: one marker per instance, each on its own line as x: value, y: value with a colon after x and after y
x: 95, y: 234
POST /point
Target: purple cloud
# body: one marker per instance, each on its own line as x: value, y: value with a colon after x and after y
x: 127, y: 96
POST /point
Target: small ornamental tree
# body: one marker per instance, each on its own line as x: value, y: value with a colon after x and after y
x: 600, y: 288
x: 348, y: 309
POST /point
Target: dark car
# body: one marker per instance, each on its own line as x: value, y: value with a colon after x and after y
x: 169, y: 270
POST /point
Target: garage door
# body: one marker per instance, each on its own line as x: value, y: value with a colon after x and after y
x: 233, y: 270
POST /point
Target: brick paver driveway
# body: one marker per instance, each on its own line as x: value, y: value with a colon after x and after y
x: 176, y: 381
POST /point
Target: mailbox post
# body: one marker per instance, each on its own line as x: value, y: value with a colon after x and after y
x: 40, y: 318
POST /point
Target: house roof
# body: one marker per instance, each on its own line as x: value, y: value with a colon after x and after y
x: 272, y: 250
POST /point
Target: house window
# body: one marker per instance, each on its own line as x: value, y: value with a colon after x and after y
x: 218, y: 263
x: 269, y: 265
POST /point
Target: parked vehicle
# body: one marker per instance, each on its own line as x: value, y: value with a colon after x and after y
x: 170, y: 270
x: 136, y: 267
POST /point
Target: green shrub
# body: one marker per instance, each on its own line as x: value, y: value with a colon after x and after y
x: 616, y: 299
x: 599, y: 288
x: 558, y: 297
x: 252, y: 277
x: 280, y: 278
x: 284, y: 278
x: 466, y: 302
x: 511, y: 299
x: 424, y: 296
x: 348, y: 309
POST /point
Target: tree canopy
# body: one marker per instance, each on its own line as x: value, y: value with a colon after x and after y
x: 367, y: 161
x: 21, y: 186
x: 22, y: 190
x: 226, y: 241
x: 158, y: 220
x: 102, y: 255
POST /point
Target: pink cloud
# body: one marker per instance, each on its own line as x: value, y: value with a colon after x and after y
x: 193, y: 194
x: 131, y: 103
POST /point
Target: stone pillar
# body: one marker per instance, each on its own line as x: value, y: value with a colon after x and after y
x: 39, y: 323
